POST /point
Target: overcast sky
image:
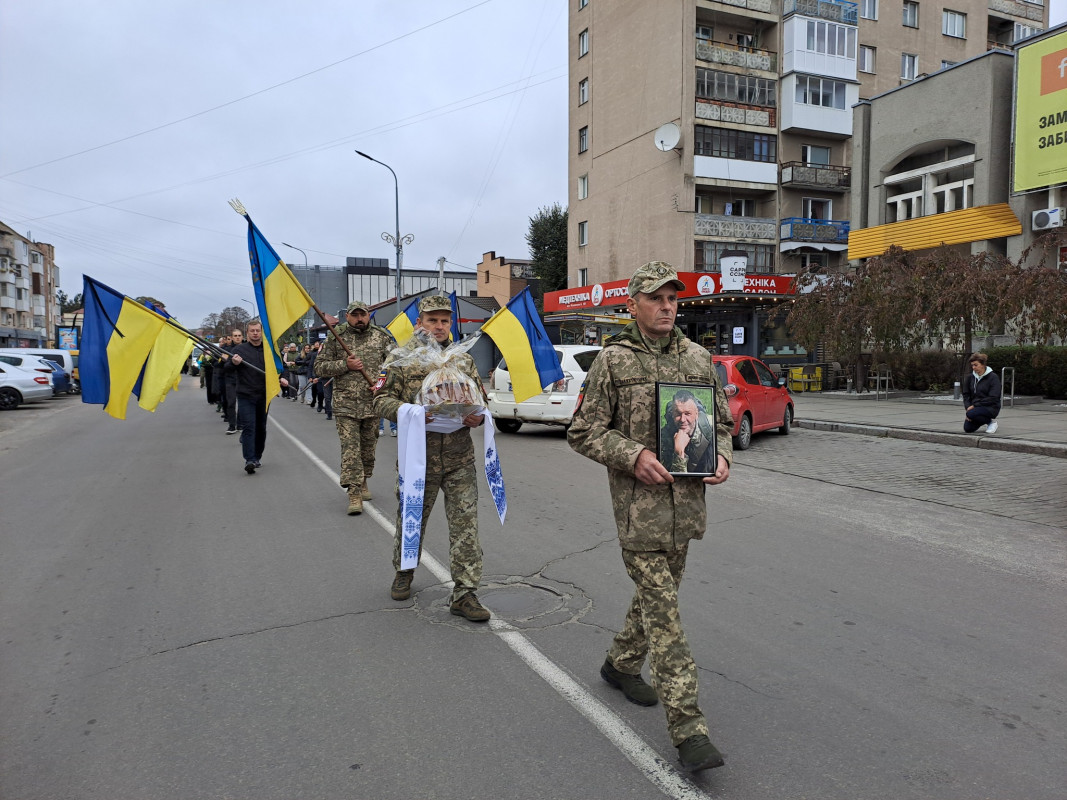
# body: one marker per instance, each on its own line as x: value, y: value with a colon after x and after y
x: 128, y: 124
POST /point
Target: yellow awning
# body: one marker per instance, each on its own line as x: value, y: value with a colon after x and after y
x: 953, y: 227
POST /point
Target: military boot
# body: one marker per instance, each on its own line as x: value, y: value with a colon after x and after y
x: 632, y: 686
x: 469, y: 608
x: 364, y: 491
x: 401, y: 588
x: 355, y: 502
x: 697, y: 753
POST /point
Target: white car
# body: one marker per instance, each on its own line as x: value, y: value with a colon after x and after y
x: 554, y: 407
x: 17, y: 385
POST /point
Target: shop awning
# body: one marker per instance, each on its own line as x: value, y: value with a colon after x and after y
x: 828, y: 246
x: 952, y: 227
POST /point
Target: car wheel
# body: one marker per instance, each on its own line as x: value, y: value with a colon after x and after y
x: 508, y: 425
x: 787, y: 421
x: 743, y: 440
x: 9, y: 399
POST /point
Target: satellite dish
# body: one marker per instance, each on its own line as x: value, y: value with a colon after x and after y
x: 667, y: 136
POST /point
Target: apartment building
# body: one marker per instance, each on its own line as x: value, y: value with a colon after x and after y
x: 29, y: 279
x: 700, y: 128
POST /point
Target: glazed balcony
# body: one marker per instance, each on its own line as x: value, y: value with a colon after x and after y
x: 834, y: 10
x: 799, y: 229
x: 824, y: 177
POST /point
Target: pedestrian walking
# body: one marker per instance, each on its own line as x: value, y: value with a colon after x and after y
x: 229, y: 380
x: 449, y: 469
x: 353, y: 376
x: 656, y: 514
x: 252, y: 394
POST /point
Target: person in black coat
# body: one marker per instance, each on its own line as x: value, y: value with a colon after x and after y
x: 981, y: 396
x: 252, y: 394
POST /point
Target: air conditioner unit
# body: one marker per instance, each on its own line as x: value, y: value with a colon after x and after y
x: 1047, y: 218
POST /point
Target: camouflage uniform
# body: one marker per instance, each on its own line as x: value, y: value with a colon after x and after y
x: 357, y: 424
x: 616, y: 420
x: 449, y: 467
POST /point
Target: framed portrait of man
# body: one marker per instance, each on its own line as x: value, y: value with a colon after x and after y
x: 687, y: 428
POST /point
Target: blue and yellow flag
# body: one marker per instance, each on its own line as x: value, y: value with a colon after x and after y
x: 403, y: 325
x: 280, y: 298
x: 163, y: 370
x: 521, y: 338
x: 117, y: 335
x: 455, y: 333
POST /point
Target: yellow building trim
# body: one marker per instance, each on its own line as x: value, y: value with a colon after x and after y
x: 953, y: 227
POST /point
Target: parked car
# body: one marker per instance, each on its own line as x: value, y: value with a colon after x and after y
x: 19, y: 385
x: 61, y: 383
x: 68, y: 359
x: 554, y: 407
x: 758, y: 398
x: 31, y: 362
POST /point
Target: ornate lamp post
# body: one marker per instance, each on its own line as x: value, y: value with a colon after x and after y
x: 397, y: 240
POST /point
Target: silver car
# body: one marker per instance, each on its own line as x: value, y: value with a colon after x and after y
x: 18, y: 385
x: 554, y: 407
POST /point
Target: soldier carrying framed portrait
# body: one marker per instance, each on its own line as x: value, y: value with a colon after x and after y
x: 686, y: 428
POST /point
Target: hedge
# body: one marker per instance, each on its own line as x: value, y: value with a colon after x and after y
x: 1038, y: 370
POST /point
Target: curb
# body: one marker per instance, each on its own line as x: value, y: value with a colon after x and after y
x: 936, y: 437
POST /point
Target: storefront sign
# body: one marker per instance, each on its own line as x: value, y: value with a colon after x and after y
x: 697, y: 284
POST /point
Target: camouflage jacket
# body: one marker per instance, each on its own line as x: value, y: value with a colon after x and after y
x: 617, y: 419
x: 351, y: 393
x: 401, y: 384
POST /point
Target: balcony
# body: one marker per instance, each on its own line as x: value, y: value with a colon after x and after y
x: 766, y: 6
x: 835, y: 10
x: 799, y: 229
x: 735, y: 113
x: 736, y: 56
x: 824, y: 177
x: 731, y: 227
x: 1016, y: 8
x: 7, y: 302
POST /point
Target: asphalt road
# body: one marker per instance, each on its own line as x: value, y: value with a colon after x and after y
x: 872, y: 618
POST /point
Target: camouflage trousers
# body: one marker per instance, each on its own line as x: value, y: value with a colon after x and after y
x: 653, y: 627
x: 460, y: 486
x: 359, y: 438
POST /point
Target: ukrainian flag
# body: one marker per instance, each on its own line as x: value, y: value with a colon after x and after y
x: 163, y: 370
x: 403, y: 325
x: 521, y: 338
x: 280, y: 298
x: 117, y: 335
x: 456, y: 335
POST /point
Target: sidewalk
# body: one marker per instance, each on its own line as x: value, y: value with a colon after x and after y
x: 1031, y: 426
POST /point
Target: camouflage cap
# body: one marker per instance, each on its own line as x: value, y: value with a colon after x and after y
x: 653, y: 275
x: 357, y: 304
x: 435, y: 302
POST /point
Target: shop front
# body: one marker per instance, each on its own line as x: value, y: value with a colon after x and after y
x: 749, y: 320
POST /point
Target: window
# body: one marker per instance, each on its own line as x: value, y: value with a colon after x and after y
x: 947, y: 64
x: 705, y: 32
x: 733, y: 88
x: 823, y: 92
x: 911, y: 14
x: 740, y: 207
x: 817, y: 208
x: 812, y: 262
x: 814, y: 154
x: 731, y: 143
x: 583, y: 277
x: 583, y: 187
x: 909, y: 66
x: 867, y: 58
x: 707, y: 255
x: 704, y: 204
x: 1022, y: 31
x: 583, y: 233
x: 869, y: 9
x: 583, y: 43
x: 831, y: 39
x: 746, y: 42
x: 582, y: 4
x: 583, y: 139
x: 583, y: 91
x: 954, y: 24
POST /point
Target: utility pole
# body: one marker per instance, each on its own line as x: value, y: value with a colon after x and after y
x: 441, y: 275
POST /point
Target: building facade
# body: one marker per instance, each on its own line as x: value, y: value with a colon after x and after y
x: 502, y: 278
x: 29, y: 280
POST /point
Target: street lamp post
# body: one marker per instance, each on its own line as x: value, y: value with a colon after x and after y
x: 307, y: 322
x: 251, y: 305
x: 397, y: 239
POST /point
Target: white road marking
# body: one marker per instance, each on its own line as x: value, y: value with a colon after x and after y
x: 661, y: 773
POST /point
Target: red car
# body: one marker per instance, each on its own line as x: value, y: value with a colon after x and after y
x: 758, y: 398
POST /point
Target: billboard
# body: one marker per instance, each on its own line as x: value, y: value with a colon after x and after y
x: 697, y: 284
x: 1040, y: 141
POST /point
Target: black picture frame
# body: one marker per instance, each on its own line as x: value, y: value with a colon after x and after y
x: 701, y: 459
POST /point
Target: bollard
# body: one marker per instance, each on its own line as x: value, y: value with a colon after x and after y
x: 956, y: 393
x: 848, y: 385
